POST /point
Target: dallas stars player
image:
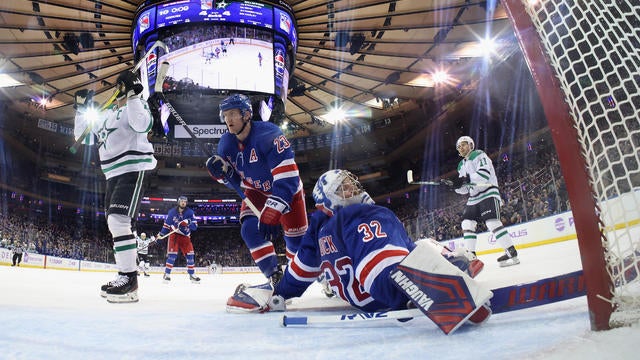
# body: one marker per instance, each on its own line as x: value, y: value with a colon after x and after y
x: 120, y: 133
x: 477, y: 178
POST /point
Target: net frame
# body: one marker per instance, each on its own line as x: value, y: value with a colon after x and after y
x: 584, y: 58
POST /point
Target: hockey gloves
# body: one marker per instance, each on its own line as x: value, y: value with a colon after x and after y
x: 219, y: 169
x: 456, y: 182
x: 269, y: 225
x: 82, y: 99
x: 128, y: 84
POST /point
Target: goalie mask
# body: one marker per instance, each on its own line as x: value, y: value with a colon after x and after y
x: 336, y: 189
x: 469, y: 141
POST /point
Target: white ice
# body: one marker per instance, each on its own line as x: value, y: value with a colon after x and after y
x: 57, y: 314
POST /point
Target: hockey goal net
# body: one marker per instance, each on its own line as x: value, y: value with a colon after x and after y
x: 585, y: 61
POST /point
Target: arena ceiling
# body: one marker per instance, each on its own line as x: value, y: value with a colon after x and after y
x: 374, y: 58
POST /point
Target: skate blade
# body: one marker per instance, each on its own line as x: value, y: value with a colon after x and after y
x: 510, y: 262
x: 124, y: 298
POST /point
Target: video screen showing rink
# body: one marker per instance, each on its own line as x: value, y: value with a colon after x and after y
x: 236, y: 58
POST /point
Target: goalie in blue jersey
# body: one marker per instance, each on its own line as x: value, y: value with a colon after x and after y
x: 371, y: 262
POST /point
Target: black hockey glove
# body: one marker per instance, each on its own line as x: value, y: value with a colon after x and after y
x: 456, y: 182
x: 128, y: 82
x: 82, y: 99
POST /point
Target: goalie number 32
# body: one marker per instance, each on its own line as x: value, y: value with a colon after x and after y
x: 371, y: 231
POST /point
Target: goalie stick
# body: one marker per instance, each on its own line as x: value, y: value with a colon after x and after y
x: 411, y: 181
x: 505, y: 299
x: 162, y: 73
x: 158, y: 44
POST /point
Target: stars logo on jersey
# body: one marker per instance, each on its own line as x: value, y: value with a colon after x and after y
x: 253, y: 157
x: 103, y: 134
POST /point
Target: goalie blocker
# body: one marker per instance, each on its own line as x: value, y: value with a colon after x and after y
x: 445, y: 294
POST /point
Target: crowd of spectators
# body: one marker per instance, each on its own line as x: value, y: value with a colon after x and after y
x: 531, y: 185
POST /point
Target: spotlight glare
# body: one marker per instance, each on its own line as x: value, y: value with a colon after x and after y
x: 440, y: 77
x: 92, y: 115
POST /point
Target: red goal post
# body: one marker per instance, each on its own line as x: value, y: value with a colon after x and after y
x: 584, y: 59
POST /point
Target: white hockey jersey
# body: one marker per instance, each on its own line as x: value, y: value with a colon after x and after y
x: 143, y: 245
x: 121, y: 137
x: 481, y: 172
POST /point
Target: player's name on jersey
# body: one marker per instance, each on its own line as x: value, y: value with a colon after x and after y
x: 201, y: 131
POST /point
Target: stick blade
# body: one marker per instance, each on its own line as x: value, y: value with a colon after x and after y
x: 409, y: 176
x: 162, y: 74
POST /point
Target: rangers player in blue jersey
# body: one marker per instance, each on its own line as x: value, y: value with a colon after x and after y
x: 125, y: 155
x: 256, y: 159
x: 370, y: 262
x: 180, y: 222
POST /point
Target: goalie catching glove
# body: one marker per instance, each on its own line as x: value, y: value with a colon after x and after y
x: 128, y: 84
x: 269, y: 225
x: 258, y: 298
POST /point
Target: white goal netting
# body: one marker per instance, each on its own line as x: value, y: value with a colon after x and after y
x: 594, y: 50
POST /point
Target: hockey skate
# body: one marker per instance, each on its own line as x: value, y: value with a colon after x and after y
x: 326, y: 288
x: 257, y: 298
x: 250, y: 298
x: 166, y: 278
x: 145, y: 274
x: 103, y: 288
x: 124, y: 288
x: 509, y: 258
x: 194, y: 279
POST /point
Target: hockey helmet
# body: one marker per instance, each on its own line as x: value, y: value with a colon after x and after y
x: 466, y: 139
x: 143, y: 236
x: 236, y: 101
x: 182, y: 198
x: 336, y: 189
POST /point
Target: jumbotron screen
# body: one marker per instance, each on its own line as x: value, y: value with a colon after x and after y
x: 217, y: 48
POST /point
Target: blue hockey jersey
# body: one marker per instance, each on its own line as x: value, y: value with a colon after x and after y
x: 174, y: 218
x: 356, y: 249
x: 264, y: 160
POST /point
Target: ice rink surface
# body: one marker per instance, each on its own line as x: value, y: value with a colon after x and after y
x: 57, y: 314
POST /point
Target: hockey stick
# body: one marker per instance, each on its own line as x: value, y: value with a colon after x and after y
x: 162, y: 72
x: 158, y: 44
x: 508, y: 298
x: 436, y: 183
x: 410, y: 180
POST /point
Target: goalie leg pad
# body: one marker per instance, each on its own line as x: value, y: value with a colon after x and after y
x: 441, y: 291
